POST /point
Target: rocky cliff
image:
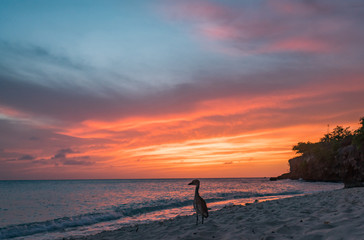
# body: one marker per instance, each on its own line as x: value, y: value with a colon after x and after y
x: 338, y: 156
x: 347, y: 165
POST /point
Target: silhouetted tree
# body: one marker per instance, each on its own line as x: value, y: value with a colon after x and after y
x: 339, y: 155
x: 303, y: 147
x: 337, y: 135
x: 358, y: 138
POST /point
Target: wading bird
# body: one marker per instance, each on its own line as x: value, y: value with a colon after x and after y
x: 198, y: 203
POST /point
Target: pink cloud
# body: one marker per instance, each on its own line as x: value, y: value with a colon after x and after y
x: 300, y: 45
x: 269, y: 27
x: 296, y: 7
x: 219, y: 32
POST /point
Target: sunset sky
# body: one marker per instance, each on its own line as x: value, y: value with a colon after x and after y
x: 173, y: 88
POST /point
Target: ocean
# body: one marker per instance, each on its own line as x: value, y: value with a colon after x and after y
x: 54, y: 209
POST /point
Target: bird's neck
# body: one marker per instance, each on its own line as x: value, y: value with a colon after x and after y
x: 196, y: 190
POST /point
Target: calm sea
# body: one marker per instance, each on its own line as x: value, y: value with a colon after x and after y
x: 55, y: 209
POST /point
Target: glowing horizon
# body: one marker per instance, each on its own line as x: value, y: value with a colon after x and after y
x: 169, y: 89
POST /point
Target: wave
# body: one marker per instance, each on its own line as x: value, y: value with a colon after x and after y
x: 60, y: 224
x: 238, y: 195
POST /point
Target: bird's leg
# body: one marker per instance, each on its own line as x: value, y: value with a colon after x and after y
x: 202, y: 219
x: 196, y: 218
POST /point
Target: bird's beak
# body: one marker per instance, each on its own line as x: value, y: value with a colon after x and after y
x: 190, y: 183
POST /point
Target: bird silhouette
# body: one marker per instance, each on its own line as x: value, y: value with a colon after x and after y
x: 198, y: 203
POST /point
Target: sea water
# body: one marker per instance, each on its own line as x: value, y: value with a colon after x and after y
x: 63, y: 208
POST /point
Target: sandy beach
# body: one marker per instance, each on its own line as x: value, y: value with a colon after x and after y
x: 337, y: 214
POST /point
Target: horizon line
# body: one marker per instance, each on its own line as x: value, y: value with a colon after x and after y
x: 87, y: 179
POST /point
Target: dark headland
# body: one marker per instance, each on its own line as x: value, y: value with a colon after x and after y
x: 337, y: 157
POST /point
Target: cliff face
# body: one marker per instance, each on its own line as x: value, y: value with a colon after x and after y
x: 347, y: 165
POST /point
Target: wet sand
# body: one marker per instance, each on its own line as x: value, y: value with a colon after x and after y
x: 336, y: 214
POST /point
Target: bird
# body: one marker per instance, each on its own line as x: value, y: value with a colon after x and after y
x: 198, y: 203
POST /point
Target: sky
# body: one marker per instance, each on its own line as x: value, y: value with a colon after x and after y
x: 173, y: 88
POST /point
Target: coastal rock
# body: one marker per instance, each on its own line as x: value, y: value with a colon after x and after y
x: 353, y: 165
x: 347, y: 166
x: 284, y: 176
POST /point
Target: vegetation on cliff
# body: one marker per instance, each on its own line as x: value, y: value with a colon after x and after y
x: 338, y: 156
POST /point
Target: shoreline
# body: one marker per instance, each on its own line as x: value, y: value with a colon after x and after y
x: 336, y: 214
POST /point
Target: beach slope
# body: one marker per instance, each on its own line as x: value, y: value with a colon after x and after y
x: 337, y: 214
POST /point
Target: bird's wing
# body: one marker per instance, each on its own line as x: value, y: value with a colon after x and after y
x: 203, y: 207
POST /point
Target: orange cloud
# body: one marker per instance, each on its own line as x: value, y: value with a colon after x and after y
x: 219, y: 136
